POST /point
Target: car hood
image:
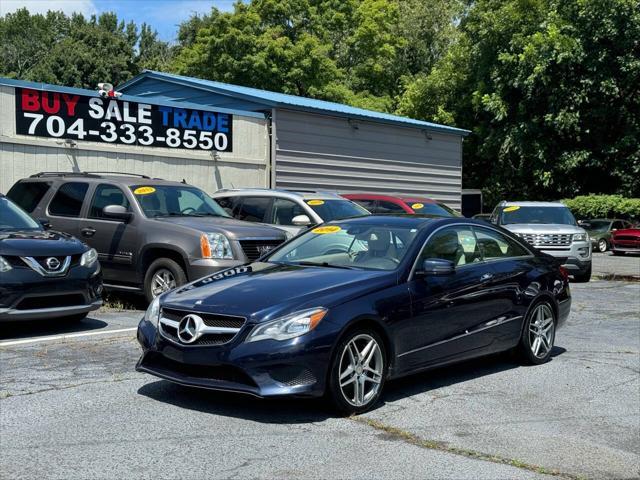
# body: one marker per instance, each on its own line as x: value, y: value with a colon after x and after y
x: 263, y: 291
x: 232, y: 228
x: 39, y: 243
x: 627, y: 231
x: 541, y: 228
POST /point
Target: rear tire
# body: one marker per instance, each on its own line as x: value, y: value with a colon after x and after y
x: 162, y: 275
x: 583, y: 277
x: 357, y: 372
x: 538, y: 334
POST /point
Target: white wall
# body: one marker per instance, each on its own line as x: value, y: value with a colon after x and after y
x: 245, y: 166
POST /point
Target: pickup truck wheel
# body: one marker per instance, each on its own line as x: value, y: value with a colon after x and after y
x: 162, y: 275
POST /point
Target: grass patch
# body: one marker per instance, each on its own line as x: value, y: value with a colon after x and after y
x: 408, y: 437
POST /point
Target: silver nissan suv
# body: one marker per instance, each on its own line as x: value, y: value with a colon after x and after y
x: 550, y: 227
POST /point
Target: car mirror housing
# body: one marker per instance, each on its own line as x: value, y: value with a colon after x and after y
x: 301, y: 220
x: 46, y: 224
x: 435, y: 267
x: 117, y: 212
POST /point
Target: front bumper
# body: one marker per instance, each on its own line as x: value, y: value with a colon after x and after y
x: 265, y: 368
x: 198, y: 268
x: 26, y: 295
x: 576, y: 258
x: 625, y: 246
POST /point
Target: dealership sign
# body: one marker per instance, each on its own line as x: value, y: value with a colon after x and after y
x: 110, y: 120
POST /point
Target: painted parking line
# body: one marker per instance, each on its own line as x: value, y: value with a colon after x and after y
x: 64, y: 337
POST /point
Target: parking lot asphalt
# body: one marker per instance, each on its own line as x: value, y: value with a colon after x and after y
x: 611, y: 266
x: 74, y: 407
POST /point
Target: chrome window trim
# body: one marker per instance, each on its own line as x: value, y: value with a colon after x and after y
x: 481, y: 262
x: 496, y: 323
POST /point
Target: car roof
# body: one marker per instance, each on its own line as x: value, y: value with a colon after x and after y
x: 275, y: 192
x: 379, y: 196
x: 126, y: 179
x: 532, y: 204
x: 396, y: 220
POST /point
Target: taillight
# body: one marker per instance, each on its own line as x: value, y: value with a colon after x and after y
x: 564, y: 273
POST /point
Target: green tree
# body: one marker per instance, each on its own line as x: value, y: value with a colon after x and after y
x: 551, y: 91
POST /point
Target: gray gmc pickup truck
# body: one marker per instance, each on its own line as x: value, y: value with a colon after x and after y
x: 151, y: 235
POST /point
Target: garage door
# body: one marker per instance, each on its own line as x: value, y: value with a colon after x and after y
x: 331, y: 153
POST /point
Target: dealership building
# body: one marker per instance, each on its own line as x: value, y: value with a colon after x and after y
x: 216, y: 135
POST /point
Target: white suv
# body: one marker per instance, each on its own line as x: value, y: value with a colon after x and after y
x: 550, y: 227
x: 291, y: 211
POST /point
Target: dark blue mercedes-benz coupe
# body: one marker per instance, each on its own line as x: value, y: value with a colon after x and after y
x: 345, y: 306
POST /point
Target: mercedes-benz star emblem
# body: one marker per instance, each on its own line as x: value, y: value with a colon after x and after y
x: 52, y: 263
x: 189, y: 328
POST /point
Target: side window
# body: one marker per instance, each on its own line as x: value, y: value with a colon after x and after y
x: 227, y: 203
x: 618, y: 225
x: 284, y: 210
x: 106, y: 195
x: 388, y: 207
x: 368, y: 204
x: 456, y: 244
x: 67, y: 202
x: 27, y: 195
x: 254, y: 209
x: 494, y: 245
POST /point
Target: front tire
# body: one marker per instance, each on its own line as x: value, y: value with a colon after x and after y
x: 75, y: 318
x: 603, y: 245
x: 358, y: 372
x: 538, y: 335
x: 162, y: 275
x: 583, y: 277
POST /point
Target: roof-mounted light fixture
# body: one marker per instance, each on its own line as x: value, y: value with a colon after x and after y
x: 106, y: 90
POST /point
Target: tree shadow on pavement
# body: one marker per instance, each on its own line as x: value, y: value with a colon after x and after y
x: 285, y: 410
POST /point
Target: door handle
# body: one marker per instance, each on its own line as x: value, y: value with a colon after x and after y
x: 88, y: 232
x: 486, y: 276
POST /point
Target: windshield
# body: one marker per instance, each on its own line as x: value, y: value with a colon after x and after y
x: 329, y: 210
x: 13, y: 217
x: 432, y: 209
x: 174, y: 200
x: 599, y: 225
x: 359, y: 246
x: 518, y: 214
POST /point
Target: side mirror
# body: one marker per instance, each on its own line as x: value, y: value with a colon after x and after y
x: 117, y: 212
x: 435, y: 267
x: 46, y: 224
x: 301, y: 220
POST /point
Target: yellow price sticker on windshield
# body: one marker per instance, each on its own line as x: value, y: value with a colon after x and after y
x: 327, y: 229
x: 511, y: 209
x: 315, y: 202
x: 144, y: 190
x: 417, y: 206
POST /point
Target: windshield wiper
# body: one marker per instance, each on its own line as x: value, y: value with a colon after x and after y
x: 324, y: 264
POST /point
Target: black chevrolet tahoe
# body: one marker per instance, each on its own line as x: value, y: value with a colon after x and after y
x: 151, y: 235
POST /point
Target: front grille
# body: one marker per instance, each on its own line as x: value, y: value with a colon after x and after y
x: 34, y: 303
x: 213, y: 320
x: 626, y: 238
x: 15, y: 262
x: 254, y: 249
x: 225, y: 373
x: 292, y: 376
x: 547, y: 240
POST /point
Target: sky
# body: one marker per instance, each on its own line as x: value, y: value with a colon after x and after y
x: 163, y: 15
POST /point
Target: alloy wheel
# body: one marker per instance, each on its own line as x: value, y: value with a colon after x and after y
x: 162, y: 281
x: 602, y: 245
x: 361, y: 367
x: 541, y: 331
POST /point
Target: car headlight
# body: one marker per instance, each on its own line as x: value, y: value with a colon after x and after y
x: 153, y: 312
x: 88, y: 258
x: 289, y: 326
x: 215, y: 245
x: 5, y: 266
x: 580, y: 237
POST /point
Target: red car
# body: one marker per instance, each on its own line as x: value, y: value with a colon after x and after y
x: 625, y: 241
x: 412, y: 204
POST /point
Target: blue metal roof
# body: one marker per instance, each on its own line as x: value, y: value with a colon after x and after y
x: 149, y: 100
x: 273, y: 99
